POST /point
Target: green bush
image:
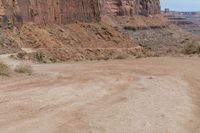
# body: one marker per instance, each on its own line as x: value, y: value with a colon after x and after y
x: 4, y: 69
x: 192, y: 48
x: 24, y: 68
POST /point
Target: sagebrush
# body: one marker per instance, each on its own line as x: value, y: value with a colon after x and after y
x: 24, y: 68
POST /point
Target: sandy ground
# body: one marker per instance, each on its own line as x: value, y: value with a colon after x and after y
x: 153, y: 95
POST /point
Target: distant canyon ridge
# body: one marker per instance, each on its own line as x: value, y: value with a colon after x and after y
x: 67, y: 11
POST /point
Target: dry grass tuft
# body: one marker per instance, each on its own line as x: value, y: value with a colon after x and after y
x: 121, y: 56
x: 192, y: 48
x: 4, y: 69
x: 24, y: 68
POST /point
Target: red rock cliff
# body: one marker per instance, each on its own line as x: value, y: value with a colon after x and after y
x: 66, y: 11
x: 48, y: 11
x: 131, y: 7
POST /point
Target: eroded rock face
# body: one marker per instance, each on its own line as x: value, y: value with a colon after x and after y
x: 50, y: 11
x: 131, y: 7
x: 66, y: 11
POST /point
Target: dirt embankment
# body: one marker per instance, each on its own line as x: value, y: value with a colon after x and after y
x: 79, y: 41
x: 113, y: 38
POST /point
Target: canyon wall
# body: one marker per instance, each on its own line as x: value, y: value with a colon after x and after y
x: 131, y: 7
x: 49, y: 11
x: 66, y: 11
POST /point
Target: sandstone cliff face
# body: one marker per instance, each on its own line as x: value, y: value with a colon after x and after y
x: 50, y: 11
x: 66, y: 11
x: 131, y: 7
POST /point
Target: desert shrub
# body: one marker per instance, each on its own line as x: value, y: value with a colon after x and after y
x: 21, y: 55
x: 121, y: 56
x: 192, y: 48
x: 24, y: 68
x: 53, y: 60
x: 40, y: 57
x: 4, y: 69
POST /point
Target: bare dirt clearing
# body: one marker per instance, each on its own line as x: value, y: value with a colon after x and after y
x: 154, y: 95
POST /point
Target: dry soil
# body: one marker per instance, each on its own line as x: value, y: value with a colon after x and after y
x: 152, y: 95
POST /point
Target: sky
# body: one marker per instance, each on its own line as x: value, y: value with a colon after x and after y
x: 181, y: 5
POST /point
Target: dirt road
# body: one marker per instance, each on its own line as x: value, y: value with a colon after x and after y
x: 153, y: 95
